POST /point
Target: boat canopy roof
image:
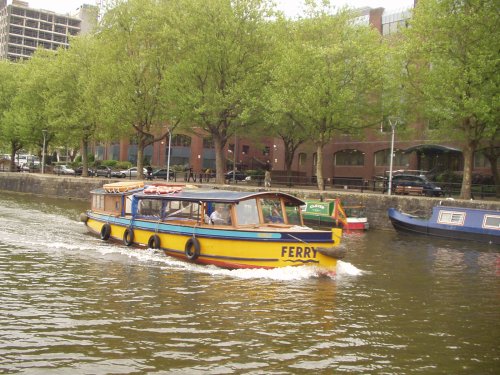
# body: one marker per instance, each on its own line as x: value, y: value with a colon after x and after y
x: 222, y: 196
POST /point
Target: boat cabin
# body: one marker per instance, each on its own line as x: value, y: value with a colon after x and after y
x: 115, y: 198
x: 218, y: 208
x: 199, y: 207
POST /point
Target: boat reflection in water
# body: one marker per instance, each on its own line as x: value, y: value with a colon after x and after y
x: 228, y: 229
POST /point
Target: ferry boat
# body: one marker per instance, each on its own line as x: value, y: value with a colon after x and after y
x: 451, y: 222
x: 228, y: 229
x: 332, y: 213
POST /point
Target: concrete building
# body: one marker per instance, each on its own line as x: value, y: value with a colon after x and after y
x: 24, y: 29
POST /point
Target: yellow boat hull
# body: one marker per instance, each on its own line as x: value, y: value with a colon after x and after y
x: 226, y: 248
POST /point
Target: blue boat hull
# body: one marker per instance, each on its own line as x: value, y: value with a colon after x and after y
x: 411, y: 224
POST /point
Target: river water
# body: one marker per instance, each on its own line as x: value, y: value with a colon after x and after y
x: 70, y: 303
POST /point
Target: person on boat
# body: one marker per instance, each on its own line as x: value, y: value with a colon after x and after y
x: 275, y: 217
x: 220, y: 215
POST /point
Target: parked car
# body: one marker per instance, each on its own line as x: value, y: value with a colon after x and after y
x: 239, y: 176
x: 63, y: 169
x: 163, y: 172
x: 103, y: 171
x: 79, y: 171
x: 408, y: 180
x: 132, y: 172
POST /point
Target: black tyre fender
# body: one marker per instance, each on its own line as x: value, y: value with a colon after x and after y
x: 128, y: 236
x: 154, y: 242
x: 105, y: 232
x: 84, y: 218
x: 192, y: 248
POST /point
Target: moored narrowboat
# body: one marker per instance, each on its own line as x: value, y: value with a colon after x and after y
x: 331, y: 213
x: 451, y: 222
x: 228, y: 229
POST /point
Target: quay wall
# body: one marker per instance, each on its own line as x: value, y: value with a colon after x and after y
x: 376, y: 204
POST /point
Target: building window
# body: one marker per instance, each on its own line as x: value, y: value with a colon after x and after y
x: 208, y: 143
x: 181, y: 140
x: 18, y: 11
x: 16, y: 40
x: 31, y: 23
x: 32, y: 14
x: 481, y: 161
x: 394, y: 22
x: 61, y: 20
x: 382, y: 158
x: 245, y: 149
x: 302, y: 159
x: 349, y: 158
x: 16, y: 30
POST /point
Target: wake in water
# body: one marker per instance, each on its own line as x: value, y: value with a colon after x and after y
x: 284, y: 274
x: 32, y: 230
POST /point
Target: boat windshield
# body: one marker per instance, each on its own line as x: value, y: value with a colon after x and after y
x: 293, y: 213
x: 247, y: 212
x: 272, y: 211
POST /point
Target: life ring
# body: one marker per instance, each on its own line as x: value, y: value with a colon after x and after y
x: 154, y: 242
x: 128, y: 236
x: 105, y: 232
x: 192, y: 248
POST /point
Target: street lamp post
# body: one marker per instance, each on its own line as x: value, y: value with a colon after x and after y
x: 235, y: 153
x: 393, y: 122
x: 43, y: 151
x: 168, y: 157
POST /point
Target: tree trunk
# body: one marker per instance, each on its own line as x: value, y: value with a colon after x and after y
x: 85, y: 158
x: 319, y: 167
x: 220, y: 160
x: 140, y: 158
x: 493, y: 159
x: 465, y: 192
x: 14, y: 147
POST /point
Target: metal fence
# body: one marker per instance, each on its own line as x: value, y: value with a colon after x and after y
x: 377, y: 185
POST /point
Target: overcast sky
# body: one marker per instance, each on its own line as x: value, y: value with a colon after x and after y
x: 290, y: 7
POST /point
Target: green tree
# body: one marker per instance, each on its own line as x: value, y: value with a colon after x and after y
x: 275, y: 104
x: 329, y: 75
x: 11, y: 135
x: 28, y: 114
x: 139, y: 39
x: 452, y: 48
x: 72, y: 102
x: 222, y: 66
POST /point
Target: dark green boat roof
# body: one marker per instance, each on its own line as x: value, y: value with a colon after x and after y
x: 215, y: 195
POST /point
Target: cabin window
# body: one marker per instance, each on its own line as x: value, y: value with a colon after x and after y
x: 491, y: 222
x: 182, y: 210
x: 150, y: 208
x: 219, y: 213
x: 293, y: 213
x: 272, y: 211
x: 451, y: 217
x: 98, y: 202
x: 247, y: 212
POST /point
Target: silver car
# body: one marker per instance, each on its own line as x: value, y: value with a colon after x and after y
x: 132, y: 172
x: 63, y: 169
